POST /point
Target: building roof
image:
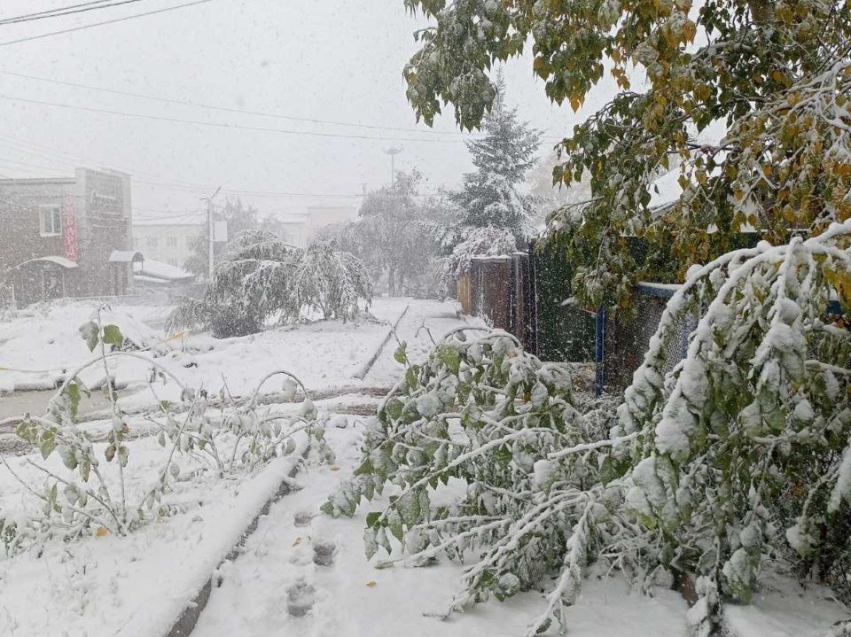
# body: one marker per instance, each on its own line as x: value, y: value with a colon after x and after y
x: 165, y: 223
x: 162, y: 271
x: 61, y: 261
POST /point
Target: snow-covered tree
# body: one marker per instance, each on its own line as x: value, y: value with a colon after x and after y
x: 482, y: 412
x: 261, y: 277
x: 736, y: 461
x: 493, y: 195
x: 330, y: 281
x: 776, y: 75
x: 391, y: 234
x: 742, y: 455
x: 239, y: 218
x: 487, y: 241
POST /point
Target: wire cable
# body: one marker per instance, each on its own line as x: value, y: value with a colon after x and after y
x: 226, y: 109
x: 104, y: 22
x: 263, y: 129
x: 58, y: 13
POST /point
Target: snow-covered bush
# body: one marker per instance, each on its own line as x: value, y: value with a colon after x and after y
x: 263, y: 277
x: 88, y: 496
x: 330, y: 281
x: 489, y: 241
x: 742, y: 454
x: 540, y: 496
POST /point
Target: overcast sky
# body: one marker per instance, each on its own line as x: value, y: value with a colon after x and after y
x: 337, y: 60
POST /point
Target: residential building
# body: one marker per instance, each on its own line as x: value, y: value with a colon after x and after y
x: 168, y: 242
x: 66, y: 236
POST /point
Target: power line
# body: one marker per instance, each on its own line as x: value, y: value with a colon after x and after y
x: 73, y: 6
x: 104, y: 22
x: 262, y: 129
x: 226, y: 109
x: 71, y: 10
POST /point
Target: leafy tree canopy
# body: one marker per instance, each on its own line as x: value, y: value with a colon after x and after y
x: 776, y: 74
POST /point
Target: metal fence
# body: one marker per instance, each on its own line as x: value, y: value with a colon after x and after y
x: 623, y: 338
x: 529, y: 295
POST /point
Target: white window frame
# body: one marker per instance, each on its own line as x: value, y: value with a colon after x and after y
x: 171, y: 242
x: 55, y: 212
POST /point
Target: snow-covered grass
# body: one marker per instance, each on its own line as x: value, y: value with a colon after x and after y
x: 136, y: 585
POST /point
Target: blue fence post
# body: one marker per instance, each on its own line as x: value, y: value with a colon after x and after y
x: 600, y: 353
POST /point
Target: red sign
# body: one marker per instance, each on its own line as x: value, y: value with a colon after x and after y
x: 69, y: 228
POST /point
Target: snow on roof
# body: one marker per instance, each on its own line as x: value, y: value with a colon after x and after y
x: 65, y: 263
x: 666, y: 189
x: 161, y: 271
x: 160, y: 221
x: 125, y: 256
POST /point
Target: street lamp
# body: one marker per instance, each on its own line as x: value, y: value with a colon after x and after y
x: 393, y: 152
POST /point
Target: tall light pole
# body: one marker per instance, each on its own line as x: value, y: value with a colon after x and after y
x: 393, y: 152
x: 211, y: 254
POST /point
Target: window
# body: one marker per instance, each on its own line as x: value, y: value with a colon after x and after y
x: 190, y: 241
x: 151, y: 242
x: 51, y: 221
x: 136, y: 244
x: 171, y: 242
x: 172, y: 262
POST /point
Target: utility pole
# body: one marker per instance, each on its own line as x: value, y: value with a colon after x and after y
x: 211, y: 253
x: 393, y: 152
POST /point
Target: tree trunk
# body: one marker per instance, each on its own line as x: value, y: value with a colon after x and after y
x: 391, y: 281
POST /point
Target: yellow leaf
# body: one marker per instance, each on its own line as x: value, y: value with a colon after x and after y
x: 575, y: 103
x: 334, y: 467
x: 372, y: 584
x: 841, y: 282
x: 297, y: 541
x: 102, y: 531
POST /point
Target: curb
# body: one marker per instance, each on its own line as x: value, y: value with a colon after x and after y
x: 188, y: 619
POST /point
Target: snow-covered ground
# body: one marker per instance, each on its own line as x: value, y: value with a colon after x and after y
x: 38, y: 348
x: 350, y: 598
x: 300, y: 573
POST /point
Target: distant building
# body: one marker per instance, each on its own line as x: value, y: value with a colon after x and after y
x: 169, y: 243
x: 323, y: 216
x: 66, y: 236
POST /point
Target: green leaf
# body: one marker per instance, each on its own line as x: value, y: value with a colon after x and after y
x: 73, y: 393
x: 373, y: 518
x: 89, y: 332
x: 450, y: 357
x: 112, y: 336
x: 394, y: 523
x: 411, y: 378
x: 400, y: 355
x: 47, y: 444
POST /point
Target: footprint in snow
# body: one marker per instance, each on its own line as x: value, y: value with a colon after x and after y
x: 323, y: 553
x: 300, y: 598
